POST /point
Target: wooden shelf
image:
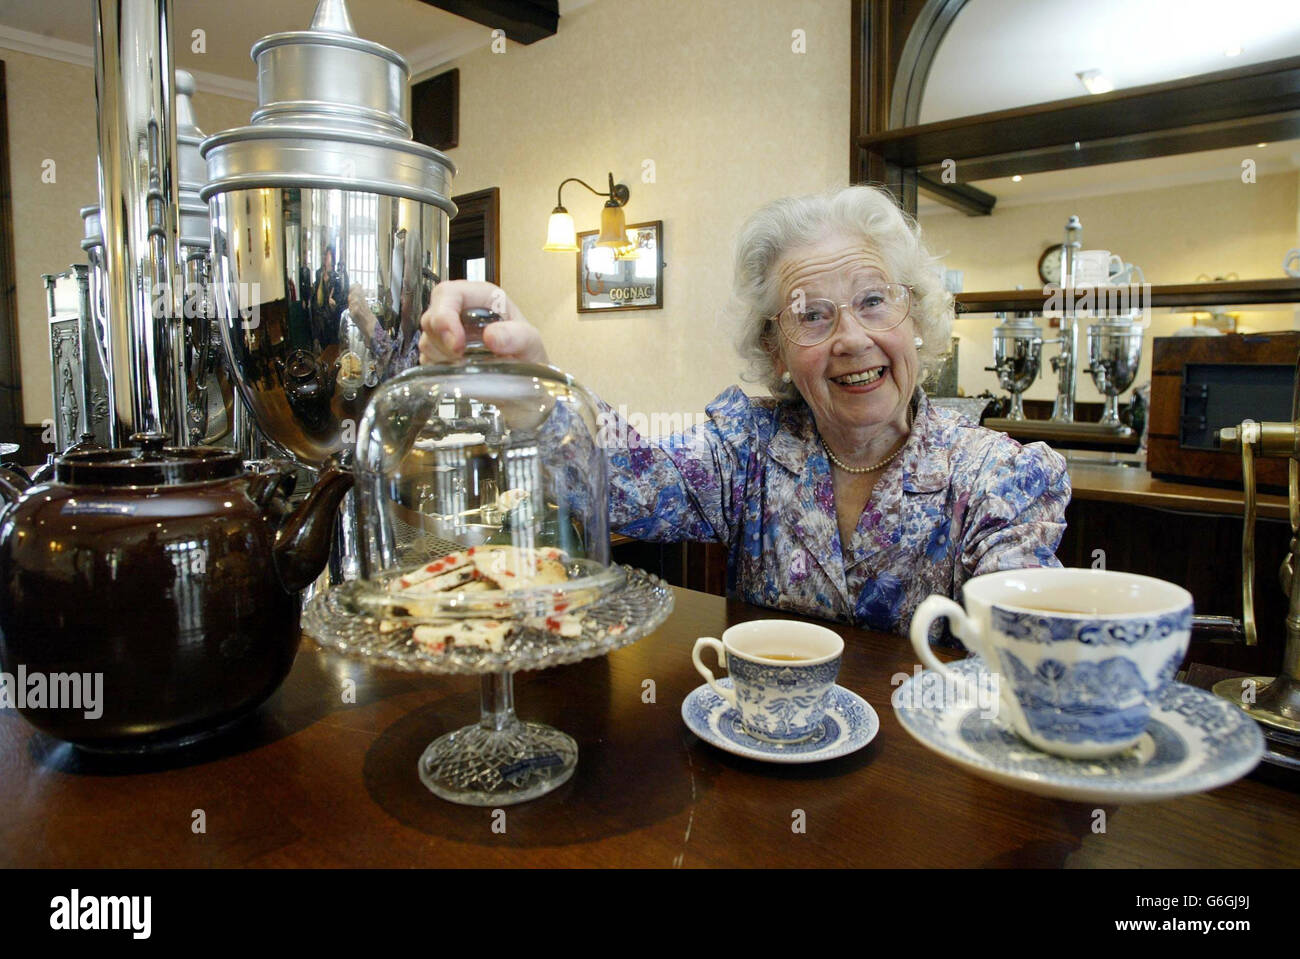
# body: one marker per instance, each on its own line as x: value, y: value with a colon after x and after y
x: 1236, y: 293
x: 1244, y: 105
x: 1139, y: 488
x: 1078, y: 436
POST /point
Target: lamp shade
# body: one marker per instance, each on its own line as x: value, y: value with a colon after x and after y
x: 613, y: 227
x: 630, y: 250
x: 560, y: 234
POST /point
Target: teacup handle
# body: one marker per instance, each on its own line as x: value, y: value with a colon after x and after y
x: 716, y: 645
x: 941, y: 607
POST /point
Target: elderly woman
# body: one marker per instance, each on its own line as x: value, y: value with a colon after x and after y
x: 846, y: 495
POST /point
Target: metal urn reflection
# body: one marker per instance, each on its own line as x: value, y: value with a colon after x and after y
x: 287, y: 261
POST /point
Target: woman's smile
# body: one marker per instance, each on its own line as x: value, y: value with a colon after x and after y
x: 863, y: 381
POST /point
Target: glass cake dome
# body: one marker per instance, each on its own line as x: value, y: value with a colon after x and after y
x: 483, y: 535
x: 481, y: 492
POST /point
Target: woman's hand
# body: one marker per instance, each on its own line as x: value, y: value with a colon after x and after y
x: 442, y: 337
x: 360, y: 312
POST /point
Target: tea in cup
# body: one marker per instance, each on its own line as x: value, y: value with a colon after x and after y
x: 1080, y: 654
x: 782, y: 675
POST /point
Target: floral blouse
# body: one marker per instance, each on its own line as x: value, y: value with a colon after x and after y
x: 391, y: 356
x: 960, y: 501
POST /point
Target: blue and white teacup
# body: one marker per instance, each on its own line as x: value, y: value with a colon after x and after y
x: 782, y: 674
x: 1080, y: 654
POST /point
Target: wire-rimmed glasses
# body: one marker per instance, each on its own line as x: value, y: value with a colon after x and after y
x: 879, y: 308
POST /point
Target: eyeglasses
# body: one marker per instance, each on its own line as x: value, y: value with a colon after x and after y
x: 878, y: 308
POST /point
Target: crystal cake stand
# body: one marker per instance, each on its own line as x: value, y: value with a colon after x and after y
x: 501, y: 759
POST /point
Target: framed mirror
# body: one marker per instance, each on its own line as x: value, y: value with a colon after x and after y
x: 628, y: 279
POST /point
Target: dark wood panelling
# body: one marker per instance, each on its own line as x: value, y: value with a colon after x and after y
x: 476, y: 231
x: 435, y: 111
x: 11, y: 382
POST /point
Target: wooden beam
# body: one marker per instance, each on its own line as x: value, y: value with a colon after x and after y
x: 961, y: 196
x: 524, y: 21
x: 1273, y: 128
x: 1225, y: 96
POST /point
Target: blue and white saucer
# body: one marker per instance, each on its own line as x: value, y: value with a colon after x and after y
x: 1195, y: 742
x: 849, y: 725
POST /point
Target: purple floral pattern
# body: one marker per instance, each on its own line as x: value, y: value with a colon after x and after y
x: 391, y: 357
x: 960, y: 501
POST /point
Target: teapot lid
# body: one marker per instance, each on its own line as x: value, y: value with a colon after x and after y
x: 147, y: 462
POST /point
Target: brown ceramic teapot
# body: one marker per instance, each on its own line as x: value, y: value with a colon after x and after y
x: 167, y: 576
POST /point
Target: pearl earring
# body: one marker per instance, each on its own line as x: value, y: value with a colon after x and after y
x: 786, y: 377
x: 919, y: 342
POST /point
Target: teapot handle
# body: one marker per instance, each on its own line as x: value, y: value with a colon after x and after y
x: 8, y: 491
x: 269, y: 477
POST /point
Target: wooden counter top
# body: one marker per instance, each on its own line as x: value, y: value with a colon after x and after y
x: 1136, y: 486
x: 316, y: 779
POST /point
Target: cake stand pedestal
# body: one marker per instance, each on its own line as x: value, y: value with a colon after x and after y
x: 501, y: 759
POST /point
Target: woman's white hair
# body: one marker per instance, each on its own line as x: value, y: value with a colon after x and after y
x: 865, y: 211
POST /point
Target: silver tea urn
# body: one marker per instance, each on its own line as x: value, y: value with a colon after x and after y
x: 329, y: 232
x: 1114, y: 352
x: 1017, y: 357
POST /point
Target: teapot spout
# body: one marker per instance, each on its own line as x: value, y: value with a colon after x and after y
x: 302, y: 546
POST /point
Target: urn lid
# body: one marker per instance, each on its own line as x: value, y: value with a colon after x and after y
x: 147, y: 462
x: 331, y: 115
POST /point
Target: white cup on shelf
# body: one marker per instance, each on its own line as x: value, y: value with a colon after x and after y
x: 1094, y: 267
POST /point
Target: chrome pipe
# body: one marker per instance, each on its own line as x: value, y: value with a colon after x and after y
x: 134, y: 79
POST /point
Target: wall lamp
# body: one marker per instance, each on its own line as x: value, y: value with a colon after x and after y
x: 561, y: 237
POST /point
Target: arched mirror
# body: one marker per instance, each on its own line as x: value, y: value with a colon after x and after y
x: 1232, y: 212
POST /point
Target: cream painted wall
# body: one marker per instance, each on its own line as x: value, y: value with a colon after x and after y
x: 1174, y: 233
x: 711, y: 91
x: 52, y: 116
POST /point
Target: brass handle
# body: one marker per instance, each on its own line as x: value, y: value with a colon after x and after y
x: 1249, y: 437
x: 1270, y: 440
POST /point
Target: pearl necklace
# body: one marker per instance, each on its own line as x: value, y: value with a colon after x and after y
x: 863, y: 469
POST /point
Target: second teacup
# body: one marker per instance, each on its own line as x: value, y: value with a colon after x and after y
x: 782, y: 674
x: 1080, y: 654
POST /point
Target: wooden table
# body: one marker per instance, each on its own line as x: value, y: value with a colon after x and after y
x: 313, y: 780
